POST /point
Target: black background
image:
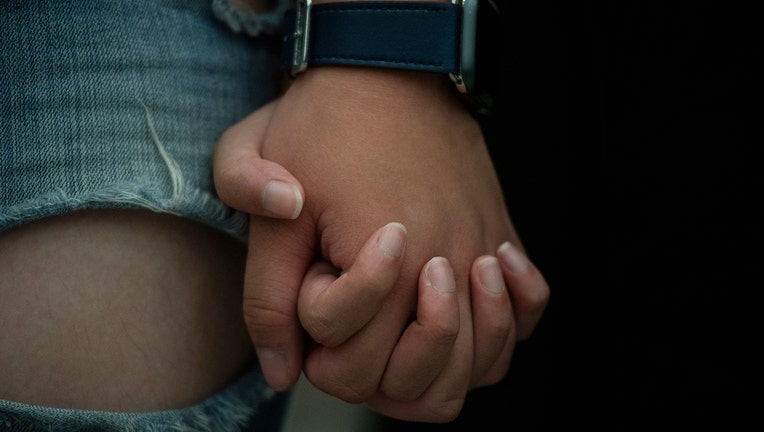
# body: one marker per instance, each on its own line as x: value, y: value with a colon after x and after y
x: 629, y: 144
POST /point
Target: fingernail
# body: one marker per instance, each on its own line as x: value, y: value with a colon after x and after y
x: 282, y: 199
x: 275, y: 368
x: 392, y: 241
x: 489, y: 275
x: 515, y: 260
x: 440, y: 275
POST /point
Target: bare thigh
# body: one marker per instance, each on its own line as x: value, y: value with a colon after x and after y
x: 121, y: 310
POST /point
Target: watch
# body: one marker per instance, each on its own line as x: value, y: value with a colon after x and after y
x: 423, y: 36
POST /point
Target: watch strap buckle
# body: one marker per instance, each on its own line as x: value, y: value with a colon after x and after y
x: 404, y: 35
x: 301, y: 36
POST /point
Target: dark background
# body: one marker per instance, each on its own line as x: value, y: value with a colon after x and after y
x: 629, y: 143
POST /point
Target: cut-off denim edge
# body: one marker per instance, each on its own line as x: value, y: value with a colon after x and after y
x: 246, y: 405
x: 187, y: 202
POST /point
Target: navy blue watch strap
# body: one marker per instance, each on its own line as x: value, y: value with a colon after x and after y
x: 422, y: 36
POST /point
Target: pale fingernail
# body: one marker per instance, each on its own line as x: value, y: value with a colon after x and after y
x: 274, y: 367
x: 440, y: 275
x: 283, y: 199
x: 513, y: 258
x: 392, y: 241
x: 489, y: 275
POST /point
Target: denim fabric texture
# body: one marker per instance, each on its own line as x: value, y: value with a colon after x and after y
x: 240, y: 19
x: 246, y: 405
x: 119, y: 103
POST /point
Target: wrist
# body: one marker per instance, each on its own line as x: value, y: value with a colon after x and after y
x: 350, y: 1
x: 432, y: 36
x: 414, y: 92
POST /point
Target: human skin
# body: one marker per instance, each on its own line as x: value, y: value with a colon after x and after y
x: 120, y: 310
x: 369, y: 147
x: 86, y: 312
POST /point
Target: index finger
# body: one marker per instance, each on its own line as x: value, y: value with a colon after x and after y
x: 331, y: 308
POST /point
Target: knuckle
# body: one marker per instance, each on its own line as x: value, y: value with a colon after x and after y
x: 445, y: 330
x: 400, y: 391
x: 500, y: 328
x: 376, y: 283
x: 355, y: 394
x: 537, y: 299
x: 261, y: 316
x: 543, y: 295
x: 445, y: 411
x: 321, y: 328
x: 228, y: 179
x: 494, y: 376
x: 353, y: 391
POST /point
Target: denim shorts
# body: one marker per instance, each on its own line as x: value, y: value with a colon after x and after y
x: 119, y: 104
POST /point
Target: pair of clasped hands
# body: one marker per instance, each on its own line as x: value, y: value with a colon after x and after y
x: 382, y: 261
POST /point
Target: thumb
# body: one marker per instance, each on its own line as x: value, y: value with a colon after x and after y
x: 246, y: 181
x: 279, y: 254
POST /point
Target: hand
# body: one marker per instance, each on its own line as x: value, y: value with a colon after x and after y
x: 371, y: 146
x: 420, y: 366
x: 246, y: 181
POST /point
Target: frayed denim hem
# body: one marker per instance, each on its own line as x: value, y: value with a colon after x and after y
x: 249, y: 22
x: 193, y: 203
x: 246, y: 405
x: 183, y: 200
